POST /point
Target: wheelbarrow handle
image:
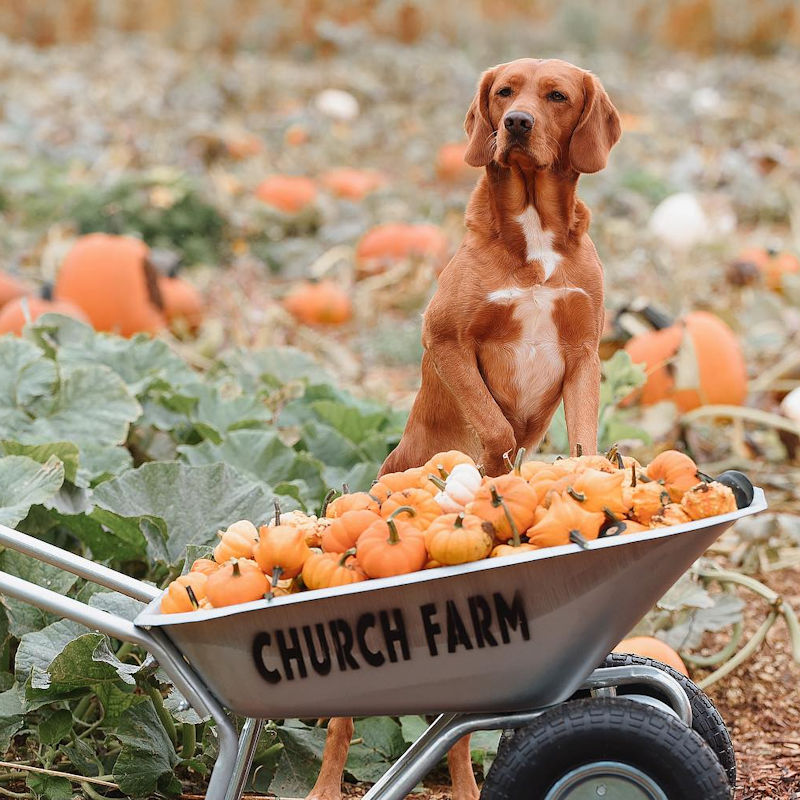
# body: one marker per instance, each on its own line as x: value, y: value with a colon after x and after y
x: 77, y: 565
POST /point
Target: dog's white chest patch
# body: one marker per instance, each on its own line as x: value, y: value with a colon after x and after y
x: 538, y: 241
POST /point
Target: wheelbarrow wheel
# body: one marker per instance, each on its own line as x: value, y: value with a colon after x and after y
x: 706, y: 720
x: 606, y: 747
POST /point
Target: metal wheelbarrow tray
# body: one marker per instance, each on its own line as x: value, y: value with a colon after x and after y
x: 487, y: 644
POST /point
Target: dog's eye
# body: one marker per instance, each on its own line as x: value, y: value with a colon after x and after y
x: 557, y: 97
x: 506, y: 91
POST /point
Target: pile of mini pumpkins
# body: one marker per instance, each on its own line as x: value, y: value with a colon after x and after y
x: 448, y: 512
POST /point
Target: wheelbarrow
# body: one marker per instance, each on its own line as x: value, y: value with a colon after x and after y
x: 508, y: 644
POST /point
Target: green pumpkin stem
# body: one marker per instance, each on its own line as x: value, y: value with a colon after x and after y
x: 518, y: 460
x: 347, y: 554
x: 277, y: 512
x: 394, y: 536
x: 236, y: 571
x: 437, y: 482
x: 511, y: 523
x: 326, y: 501
x: 496, y: 499
x: 610, y: 515
x: 276, y: 576
x: 442, y: 471
x: 579, y: 496
x: 576, y: 537
x: 612, y: 452
x: 507, y: 461
x: 346, y: 488
x: 459, y: 523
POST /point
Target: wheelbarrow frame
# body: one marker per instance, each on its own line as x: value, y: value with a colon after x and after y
x: 236, y: 750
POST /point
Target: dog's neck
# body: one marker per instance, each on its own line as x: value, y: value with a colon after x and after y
x: 506, y: 196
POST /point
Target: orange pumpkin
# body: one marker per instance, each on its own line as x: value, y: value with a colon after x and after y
x: 772, y: 264
x: 243, y: 145
x: 111, y: 279
x: 281, y: 550
x: 600, y: 491
x: 650, y: 647
x: 351, y: 502
x: 352, y: 184
x: 720, y: 363
x: 204, y: 566
x: 13, y: 314
x: 708, y: 500
x: 450, y: 164
x: 512, y: 549
x: 323, y: 570
x: 343, y: 532
x: 391, y: 547
x: 459, y: 538
x: 319, y: 303
x: 425, y: 508
x: 183, y: 303
x: 11, y: 288
x: 395, y: 482
x: 287, y: 193
x: 237, y: 541
x: 645, y: 499
x: 565, y: 521
x: 442, y: 463
x: 240, y: 581
x: 676, y: 470
x: 508, y: 503
x: 386, y: 244
x: 184, y: 593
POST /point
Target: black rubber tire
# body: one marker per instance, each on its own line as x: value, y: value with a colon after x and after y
x: 606, y: 729
x: 706, y: 720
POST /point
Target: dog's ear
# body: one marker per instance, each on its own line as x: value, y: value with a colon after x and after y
x: 597, y: 131
x: 478, y: 125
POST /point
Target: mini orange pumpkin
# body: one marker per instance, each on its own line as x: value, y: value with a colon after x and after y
x: 512, y: 549
x: 183, y: 304
x: 565, y: 521
x: 396, y: 482
x: 450, y: 164
x: 772, y: 264
x: 281, y: 550
x: 676, y: 470
x: 319, y: 303
x: 459, y: 538
x: 671, y: 514
x: 240, y: 581
x: 204, y: 565
x: 386, y: 244
x: 650, y: 647
x: 391, y: 547
x: 352, y: 184
x: 508, y: 502
x: 343, y: 532
x: 600, y: 491
x: 426, y: 509
x: 351, y: 502
x: 644, y: 497
x: 442, y: 463
x: 184, y: 593
x: 288, y: 193
x: 708, y: 500
x: 13, y: 315
x: 237, y: 541
x: 323, y: 570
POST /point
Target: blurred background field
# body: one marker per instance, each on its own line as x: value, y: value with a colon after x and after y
x: 170, y: 121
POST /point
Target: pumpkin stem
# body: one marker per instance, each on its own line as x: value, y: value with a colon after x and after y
x: 496, y: 499
x: 437, y: 482
x: 192, y: 597
x: 507, y: 461
x: 579, y: 496
x: 610, y: 515
x: 482, y: 470
x: 347, y: 554
x: 703, y: 477
x: 511, y: 523
x: 633, y: 475
x: 576, y: 537
x: 518, y: 460
x: 328, y: 498
x: 276, y: 576
x: 459, y: 523
x: 578, y: 449
x: 442, y: 471
x: 612, y: 452
x: 277, y: 512
x: 236, y: 571
x: 394, y: 536
x: 346, y: 488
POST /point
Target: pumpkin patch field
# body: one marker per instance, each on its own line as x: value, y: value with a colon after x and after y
x: 218, y: 232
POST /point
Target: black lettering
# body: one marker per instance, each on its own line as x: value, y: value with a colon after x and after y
x: 322, y: 666
x: 456, y: 631
x: 372, y: 657
x: 513, y: 616
x: 291, y: 653
x: 481, y: 613
x: 261, y: 641
x: 343, y: 644
x: 431, y: 628
x: 395, y: 635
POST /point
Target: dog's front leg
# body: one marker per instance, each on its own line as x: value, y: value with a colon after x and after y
x: 462, y: 778
x: 456, y: 363
x: 334, y: 756
x: 581, y: 395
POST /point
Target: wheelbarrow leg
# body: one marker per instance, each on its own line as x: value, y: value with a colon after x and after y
x: 248, y: 742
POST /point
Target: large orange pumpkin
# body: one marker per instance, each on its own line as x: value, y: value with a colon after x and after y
x: 385, y: 244
x: 650, y: 647
x: 352, y: 184
x: 288, y: 193
x: 12, y: 314
x: 322, y: 303
x: 450, y: 164
x: 111, y: 279
x: 720, y: 363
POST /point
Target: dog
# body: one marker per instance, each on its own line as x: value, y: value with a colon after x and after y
x: 515, y: 323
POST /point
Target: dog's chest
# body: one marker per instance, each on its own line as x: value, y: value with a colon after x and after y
x: 538, y: 241
x: 528, y: 366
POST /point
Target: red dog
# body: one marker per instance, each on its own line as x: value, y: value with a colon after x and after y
x: 515, y: 323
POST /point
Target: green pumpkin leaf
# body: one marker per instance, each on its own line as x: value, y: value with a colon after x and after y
x: 25, y: 482
x: 65, y: 452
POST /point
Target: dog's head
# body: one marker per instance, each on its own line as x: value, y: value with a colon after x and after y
x: 544, y: 114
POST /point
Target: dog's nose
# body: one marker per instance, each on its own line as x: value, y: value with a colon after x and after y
x: 518, y: 122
